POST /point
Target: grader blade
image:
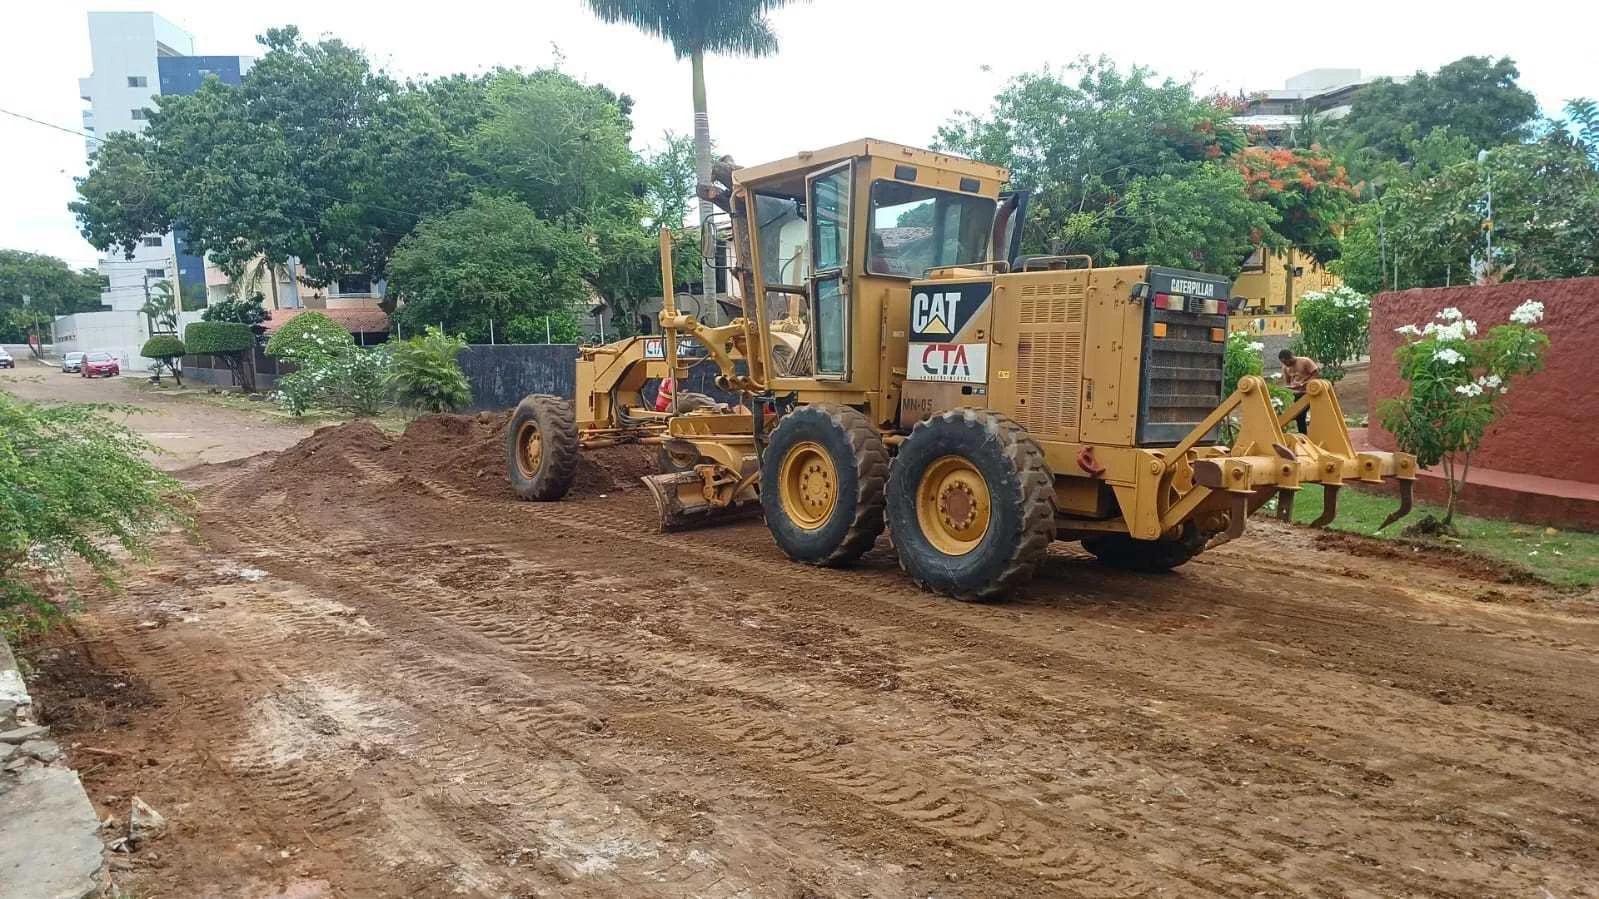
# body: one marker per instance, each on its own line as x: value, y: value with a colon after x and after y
x: 681, y: 499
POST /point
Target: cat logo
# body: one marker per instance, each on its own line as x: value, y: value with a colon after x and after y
x: 932, y: 313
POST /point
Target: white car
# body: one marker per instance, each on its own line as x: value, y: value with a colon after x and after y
x: 5, y: 359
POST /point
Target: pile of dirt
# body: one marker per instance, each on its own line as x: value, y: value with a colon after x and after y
x: 324, y: 456
x: 466, y: 452
x: 463, y: 452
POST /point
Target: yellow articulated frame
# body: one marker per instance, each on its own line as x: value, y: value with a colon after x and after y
x: 1161, y: 490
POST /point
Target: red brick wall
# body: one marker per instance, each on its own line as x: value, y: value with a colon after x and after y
x: 1549, y: 423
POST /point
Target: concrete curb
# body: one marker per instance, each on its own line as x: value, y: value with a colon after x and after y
x: 49, y: 836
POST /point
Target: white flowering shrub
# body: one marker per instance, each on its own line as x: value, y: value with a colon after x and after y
x: 309, y: 336
x: 1456, y: 377
x: 1334, y: 327
x: 355, y: 381
x: 328, y: 370
x: 1242, y: 358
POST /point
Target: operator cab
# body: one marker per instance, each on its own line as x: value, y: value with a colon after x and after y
x: 868, y: 216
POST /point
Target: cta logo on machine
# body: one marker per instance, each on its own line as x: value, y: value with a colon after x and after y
x: 942, y: 345
x: 655, y: 348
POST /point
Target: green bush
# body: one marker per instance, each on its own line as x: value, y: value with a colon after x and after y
x: 356, y: 382
x: 308, y: 336
x: 218, y: 338
x: 232, y: 342
x: 74, y: 484
x: 246, y: 312
x: 163, y: 347
x: 1242, y: 358
x: 425, y: 375
x: 1334, y: 328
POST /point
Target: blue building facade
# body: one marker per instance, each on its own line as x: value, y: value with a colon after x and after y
x: 182, y: 75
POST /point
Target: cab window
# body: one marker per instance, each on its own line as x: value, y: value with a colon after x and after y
x: 917, y: 228
x: 780, y: 228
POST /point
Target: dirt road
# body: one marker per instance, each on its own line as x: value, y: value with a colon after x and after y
x: 186, y: 430
x: 381, y: 676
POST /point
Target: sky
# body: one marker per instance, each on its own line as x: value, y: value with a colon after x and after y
x: 890, y: 69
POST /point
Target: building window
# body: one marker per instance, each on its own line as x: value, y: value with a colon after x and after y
x: 138, y: 81
x: 355, y: 285
x: 155, y: 273
x: 152, y: 241
x: 140, y: 115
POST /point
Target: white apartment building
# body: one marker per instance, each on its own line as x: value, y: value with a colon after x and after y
x: 125, y: 48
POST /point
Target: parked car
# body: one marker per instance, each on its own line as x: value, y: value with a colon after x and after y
x: 100, y: 365
x: 5, y: 359
x: 72, y: 363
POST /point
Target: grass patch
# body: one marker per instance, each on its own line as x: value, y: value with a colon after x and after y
x: 1565, y: 558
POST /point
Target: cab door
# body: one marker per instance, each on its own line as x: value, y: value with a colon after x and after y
x: 828, y: 198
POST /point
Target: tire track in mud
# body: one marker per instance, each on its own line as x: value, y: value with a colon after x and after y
x: 968, y: 819
x: 1273, y: 708
x: 477, y: 687
x: 1511, y: 784
x: 990, y: 655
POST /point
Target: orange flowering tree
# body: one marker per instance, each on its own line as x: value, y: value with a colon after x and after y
x: 1311, y: 194
x: 1128, y: 167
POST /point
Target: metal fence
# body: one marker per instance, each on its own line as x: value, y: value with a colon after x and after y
x: 500, y: 375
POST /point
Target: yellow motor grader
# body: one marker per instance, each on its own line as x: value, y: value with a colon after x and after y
x: 977, y: 402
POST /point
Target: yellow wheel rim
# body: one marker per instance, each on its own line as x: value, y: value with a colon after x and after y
x: 529, y: 449
x: 809, y: 485
x: 952, y: 505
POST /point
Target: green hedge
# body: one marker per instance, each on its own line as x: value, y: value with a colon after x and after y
x: 218, y: 337
x: 309, y: 336
x: 163, y: 346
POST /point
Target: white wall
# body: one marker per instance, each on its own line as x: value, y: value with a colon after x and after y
x: 120, y: 333
x: 124, y: 45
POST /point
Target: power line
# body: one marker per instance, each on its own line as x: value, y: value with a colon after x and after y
x: 52, y: 125
x: 310, y: 221
x: 307, y: 188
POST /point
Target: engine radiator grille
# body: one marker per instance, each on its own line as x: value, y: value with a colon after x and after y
x: 1049, y: 358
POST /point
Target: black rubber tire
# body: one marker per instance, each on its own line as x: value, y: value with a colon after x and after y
x: 1147, y: 556
x: 557, y: 430
x: 1021, y: 495
x: 669, y: 463
x: 861, y: 463
x: 686, y: 402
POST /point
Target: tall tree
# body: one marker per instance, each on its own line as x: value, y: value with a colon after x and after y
x: 1125, y: 167
x: 1475, y: 97
x: 1434, y: 229
x: 52, y: 289
x: 316, y: 155
x: 495, y: 260
x: 695, y: 28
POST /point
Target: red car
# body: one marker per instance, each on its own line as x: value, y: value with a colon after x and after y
x: 100, y: 365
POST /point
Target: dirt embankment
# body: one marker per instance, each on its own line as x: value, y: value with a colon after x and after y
x: 379, y: 675
x: 465, y: 452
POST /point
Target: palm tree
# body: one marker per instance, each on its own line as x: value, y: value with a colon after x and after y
x: 247, y: 283
x: 160, y: 309
x: 695, y: 28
